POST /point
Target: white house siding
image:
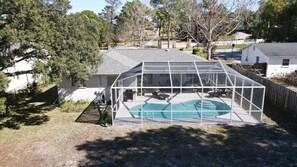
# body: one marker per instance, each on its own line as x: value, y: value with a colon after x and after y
x: 274, y: 64
x: 20, y: 81
x: 96, y: 83
x: 250, y: 54
x: 275, y: 67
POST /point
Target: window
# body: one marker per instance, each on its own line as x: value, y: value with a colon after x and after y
x: 257, y: 59
x: 286, y: 62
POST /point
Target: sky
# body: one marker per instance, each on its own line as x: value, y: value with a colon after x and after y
x: 94, y: 5
x: 98, y: 5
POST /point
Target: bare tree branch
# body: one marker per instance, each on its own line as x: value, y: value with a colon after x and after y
x: 213, y: 18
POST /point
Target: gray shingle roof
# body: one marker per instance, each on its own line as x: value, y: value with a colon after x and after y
x: 120, y: 60
x: 278, y: 49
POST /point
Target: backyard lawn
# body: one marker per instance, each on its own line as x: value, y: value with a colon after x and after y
x: 49, y: 137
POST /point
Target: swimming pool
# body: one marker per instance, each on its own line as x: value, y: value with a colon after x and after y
x: 187, y: 109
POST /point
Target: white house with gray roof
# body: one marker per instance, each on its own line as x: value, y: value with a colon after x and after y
x: 114, y: 62
x: 281, y: 58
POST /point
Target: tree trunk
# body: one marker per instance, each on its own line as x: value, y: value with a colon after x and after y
x: 189, y: 42
x: 173, y: 43
x: 168, y: 32
x: 209, y: 47
x: 173, y: 39
x: 159, y: 41
x: 160, y: 44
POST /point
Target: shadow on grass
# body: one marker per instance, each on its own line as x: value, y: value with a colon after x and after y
x: 184, y: 146
x: 283, y: 119
x: 29, y: 112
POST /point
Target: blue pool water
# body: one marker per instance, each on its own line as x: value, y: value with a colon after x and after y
x: 187, y: 109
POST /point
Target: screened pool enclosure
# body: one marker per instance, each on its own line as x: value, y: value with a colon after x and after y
x: 185, y: 93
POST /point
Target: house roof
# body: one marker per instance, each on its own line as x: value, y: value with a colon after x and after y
x: 277, y: 49
x: 121, y: 59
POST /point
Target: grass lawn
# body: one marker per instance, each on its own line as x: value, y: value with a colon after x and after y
x: 59, y: 141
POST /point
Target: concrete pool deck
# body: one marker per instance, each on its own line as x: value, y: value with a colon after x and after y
x: 239, y: 115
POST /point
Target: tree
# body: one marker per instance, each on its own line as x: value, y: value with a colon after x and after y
x: 165, y: 11
x: 133, y: 22
x: 22, y: 31
x: 206, y: 20
x: 3, y: 85
x: 109, y: 13
x: 76, y: 53
x: 278, y: 20
x: 41, y: 31
x: 103, y: 26
x: 270, y: 23
x: 288, y: 20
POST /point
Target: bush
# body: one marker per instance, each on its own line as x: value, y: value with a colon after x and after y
x: 291, y: 79
x: 200, y: 52
x: 74, y: 106
x: 108, y: 116
x: 2, y: 106
x: 195, y: 51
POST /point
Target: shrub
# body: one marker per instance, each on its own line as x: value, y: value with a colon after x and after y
x: 2, y: 105
x: 200, y: 52
x: 291, y: 79
x: 108, y: 116
x: 74, y: 106
x: 195, y: 51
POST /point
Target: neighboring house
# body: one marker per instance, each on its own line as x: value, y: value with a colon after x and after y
x: 113, y: 63
x: 281, y: 58
x: 19, y: 81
